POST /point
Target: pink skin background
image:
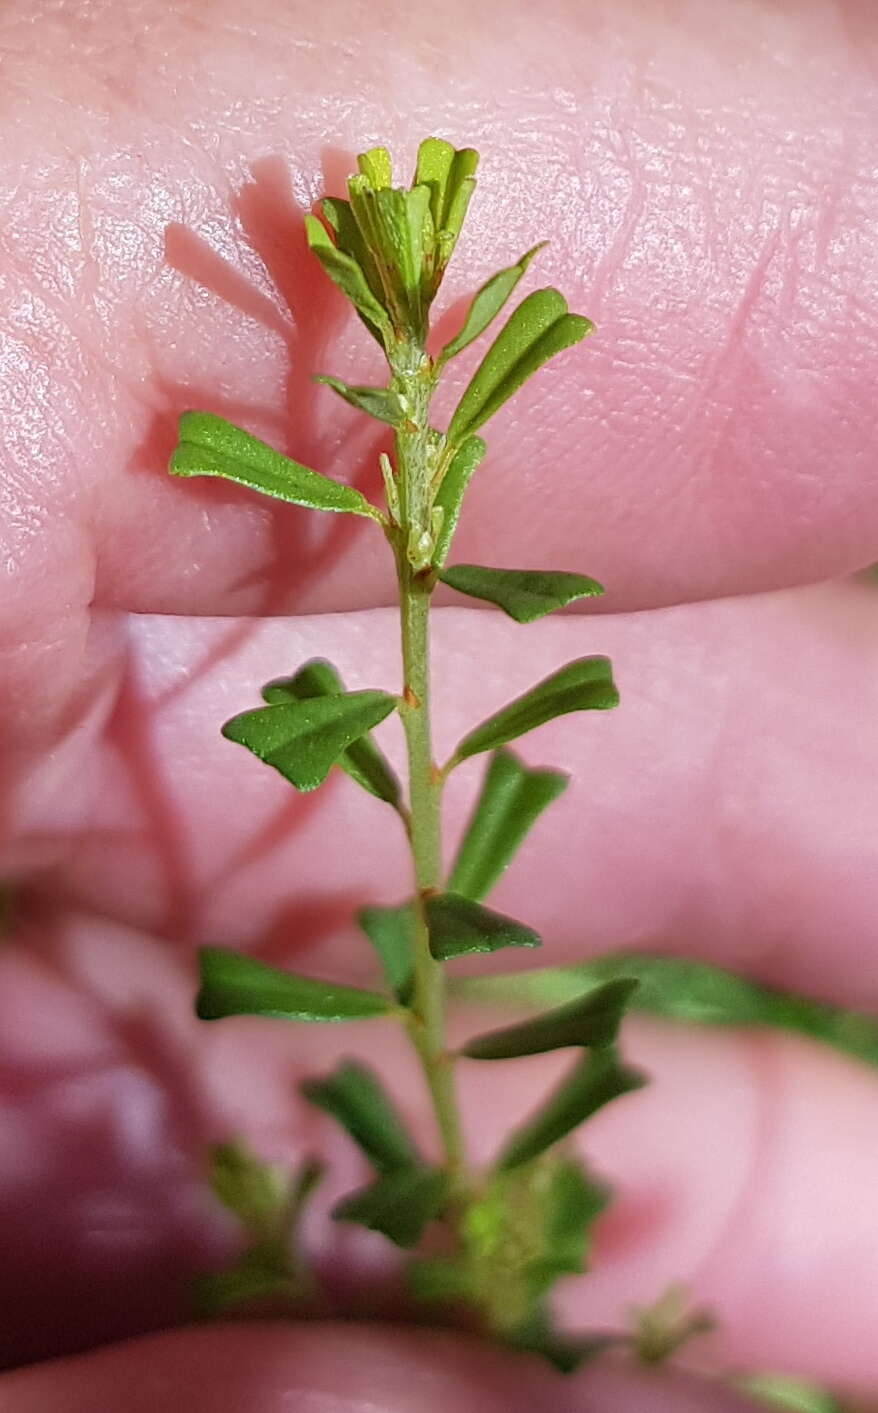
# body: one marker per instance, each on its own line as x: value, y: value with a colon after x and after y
x: 706, y: 177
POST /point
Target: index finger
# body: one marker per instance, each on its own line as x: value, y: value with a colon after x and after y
x: 707, y: 187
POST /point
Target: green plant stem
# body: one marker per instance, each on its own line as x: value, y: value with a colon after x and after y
x: 425, y: 783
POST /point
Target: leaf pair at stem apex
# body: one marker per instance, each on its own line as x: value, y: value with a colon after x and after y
x: 387, y: 248
x: 268, y: 1201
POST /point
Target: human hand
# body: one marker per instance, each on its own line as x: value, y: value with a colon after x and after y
x: 706, y: 184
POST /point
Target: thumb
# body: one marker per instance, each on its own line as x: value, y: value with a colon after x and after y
x: 339, y: 1369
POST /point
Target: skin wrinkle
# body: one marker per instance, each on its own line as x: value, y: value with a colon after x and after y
x: 663, y: 190
x: 691, y: 812
x: 646, y: 708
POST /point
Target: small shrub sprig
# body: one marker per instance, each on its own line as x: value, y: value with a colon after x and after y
x: 503, y: 1235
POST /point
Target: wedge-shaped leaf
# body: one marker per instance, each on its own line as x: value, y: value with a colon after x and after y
x: 391, y: 932
x: 458, y: 194
x: 441, y: 168
x: 348, y: 275
x: 594, y: 1080
x: 574, y: 1199
x: 362, y: 760
x: 592, y: 1021
x: 349, y: 239
x: 586, y: 684
x: 381, y: 403
x: 259, y: 1281
x: 487, y: 303
x: 790, y: 1395
x: 449, y: 174
x: 392, y: 225
x: 449, y: 497
x: 304, y: 739
x: 523, y: 594
x: 567, y: 1352
x: 269, y: 1202
x: 258, y: 1193
x: 376, y: 167
x: 531, y: 1224
x: 512, y: 798
x: 663, y: 1328
x: 537, y: 1219
x: 436, y: 1279
x: 235, y: 985
x: 395, y: 227
x: 458, y: 926
x: 538, y: 329
x: 399, y: 1206
x: 355, y: 1098
x: 695, y: 993
x: 211, y: 446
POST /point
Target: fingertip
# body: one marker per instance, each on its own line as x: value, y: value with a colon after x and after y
x: 342, y: 1369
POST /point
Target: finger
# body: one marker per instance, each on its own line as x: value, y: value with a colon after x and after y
x: 340, y: 1369
x: 740, y: 1170
x: 725, y: 810
x: 714, y: 438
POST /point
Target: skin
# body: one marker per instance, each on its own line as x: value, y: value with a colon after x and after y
x: 706, y: 178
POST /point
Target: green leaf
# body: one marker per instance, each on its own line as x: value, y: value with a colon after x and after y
x: 662, y: 1329
x: 376, y: 167
x: 585, y: 684
x: 573, y: 1202
x: 355, y: 1098
x: 458, y: 926
x: 258, y: 1193
x: 449, y: 175
x: 235, y: 985
x: 538, y: 329
x: 399, y: 1206
x: 349, y: 276
x: 362, y: 761
x: 394, y: 227
x: 566, y: 1352
x: 594, y: 1081
x: 791, y: 1394
x: 268, y: 1201
x: 694, y: 993
x: 435, y: 1279
x: 592, y: 1020
x: 523, y: 594
x: 303, y: 740
x: 487, y: 303
x: 458, y: 194
x: 211, y: 446
x: 392, y: 934
x: 449, y: 497
x: 525, y: 1229
x: 530, y: 1226
x: 433, y: 170
x: 512, y: 798
x: 258, y: 1281
x: 381, y: 403
x: 349, y: 239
